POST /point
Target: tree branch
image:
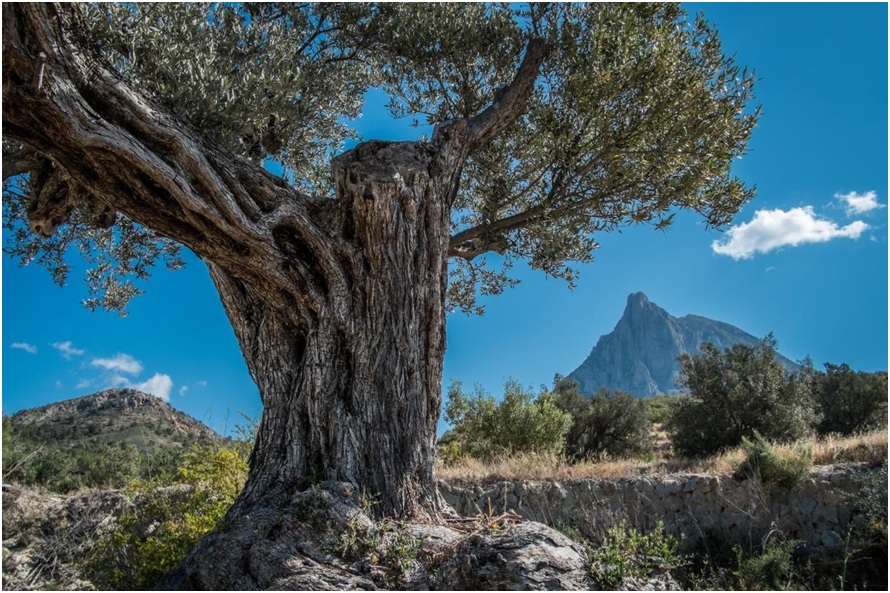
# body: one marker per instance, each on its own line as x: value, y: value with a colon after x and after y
x: 471, y: 242
x: 511, y: 102
x: 132, y: 155
x: 18, y: 162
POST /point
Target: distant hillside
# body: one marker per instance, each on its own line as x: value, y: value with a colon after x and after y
x: 640, y: 355
x: 97, y: 440
x: 114, y: 416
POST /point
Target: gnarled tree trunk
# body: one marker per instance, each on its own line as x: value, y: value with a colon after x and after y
x: 338, y: 304
x: 351, y: 378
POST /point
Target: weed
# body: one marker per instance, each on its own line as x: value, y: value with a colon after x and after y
x: 773, y: 569
x: 764, y: 461
x: 628, y: 553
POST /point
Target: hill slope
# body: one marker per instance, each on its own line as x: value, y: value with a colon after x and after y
x: 103, y: 439
x: 112, y: 416
x: 640, y: 355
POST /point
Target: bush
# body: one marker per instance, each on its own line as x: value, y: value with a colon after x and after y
x: 737, y: 392
x: 660, y: 408
x: 773, y: 569
x: 605, y: 424
x: 866, y: 566
x: 521, y: 422
x: 850, y: 402
x: 168, y: 520
x: 627, y: 553
x: 764, y: 462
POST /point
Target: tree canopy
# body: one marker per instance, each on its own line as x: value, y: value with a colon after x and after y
x: 634, y: 112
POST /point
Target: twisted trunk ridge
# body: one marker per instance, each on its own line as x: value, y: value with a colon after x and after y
x: 350, y: 379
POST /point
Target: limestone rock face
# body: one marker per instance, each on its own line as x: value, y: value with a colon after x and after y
x: 640, y: 355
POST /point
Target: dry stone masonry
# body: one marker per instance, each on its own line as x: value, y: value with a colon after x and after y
x: 706, y: 510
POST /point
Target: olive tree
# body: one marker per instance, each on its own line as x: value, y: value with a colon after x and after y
x: 521, y: 422
x: 131, y: 129
x: 737, y: 393
x: 606, y: 423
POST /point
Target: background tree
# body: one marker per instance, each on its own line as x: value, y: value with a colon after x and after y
x: 607, y: 423
x: 850, y: 401
x: 520, y: 422
x: 736, y: 393
x: 130, y: 128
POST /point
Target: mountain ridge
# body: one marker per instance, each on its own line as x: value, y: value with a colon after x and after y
x: 640, y: 355
x: 104, y: 439
x: 112, y: 408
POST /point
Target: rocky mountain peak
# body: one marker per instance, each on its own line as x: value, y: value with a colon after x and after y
x: 640, y: 355
x: 637, y: 300
x: 639, y: 309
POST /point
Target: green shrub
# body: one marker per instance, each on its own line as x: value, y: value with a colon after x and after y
x: 628, y: 553
x: 737, y: 392
x: 866, y: 567
x: 660, y: 408
x: 763, y: 461
x: 850, y: 402
x: 168, y: 520
x: 772, y: 569
x: 520, y: 422
x: 448, y: 447
x: 605, y: 424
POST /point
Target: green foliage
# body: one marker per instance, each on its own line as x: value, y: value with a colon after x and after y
x: 118, y: 258
x: 449, y: 447
x: 772, y: 569
x: 866, y: 565
x: 850, y: 401
x: 168, y: 519
x: 277, y: 81
x: 763, y: 461
x: 56, y: 460
x: 737, y: 392
x: 102, y: 441
x: 64, y: 469
x: 660, y: 408
x: 628, y: 553
x: 605, y: 424
x: 521, y: 422
x: 636, y: 112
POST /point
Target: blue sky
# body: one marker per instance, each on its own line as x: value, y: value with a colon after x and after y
x: 806, y: 259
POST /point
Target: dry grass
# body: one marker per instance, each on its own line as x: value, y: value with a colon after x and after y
x: 869, y: 448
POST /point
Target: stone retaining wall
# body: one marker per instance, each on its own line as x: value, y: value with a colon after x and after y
x: 707, y: 510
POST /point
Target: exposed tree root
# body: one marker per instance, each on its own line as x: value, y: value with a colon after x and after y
x: 325, y: 539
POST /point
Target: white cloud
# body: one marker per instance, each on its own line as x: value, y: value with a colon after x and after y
x: 29, y: 348
x: 123, y: 363
x: 159, y: 385
x: 66, y: 349
x: 83, y: 384
x: 201, y: 383
x: 119, y: 381
x: 856, y: 203
x: 183, y: 389
x: 772, y: 229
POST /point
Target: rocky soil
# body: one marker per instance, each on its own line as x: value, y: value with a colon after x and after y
x: 45, y: 534
x: 320, y: 539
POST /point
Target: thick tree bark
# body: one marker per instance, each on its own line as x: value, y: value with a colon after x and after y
x: 338, y: 305
x: 351, y: 382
